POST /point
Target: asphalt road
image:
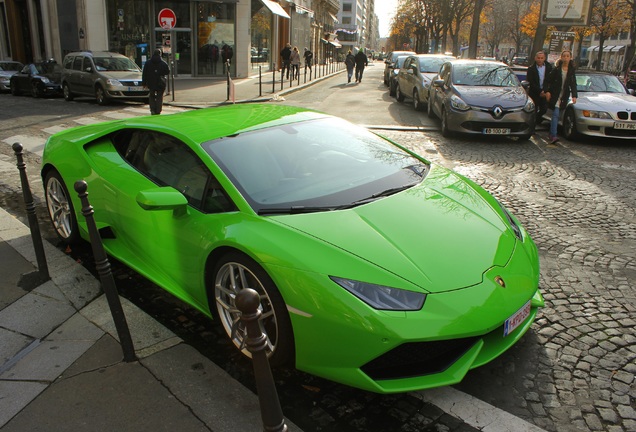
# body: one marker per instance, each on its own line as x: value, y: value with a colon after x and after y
x: 575, y: 369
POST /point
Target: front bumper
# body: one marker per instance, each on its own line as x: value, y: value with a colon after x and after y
x: 476, y: 120
x: 605, y: 128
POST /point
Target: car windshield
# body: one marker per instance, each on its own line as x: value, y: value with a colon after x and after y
x: 320, y: 164
x: 432, y: 64
x: 10, y: 66
x: 598, y: 83
x: 115, y: 64
x: 400, y: 62
x: 484, y: 74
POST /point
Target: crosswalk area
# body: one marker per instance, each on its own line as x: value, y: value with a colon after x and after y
x: 33, y: 140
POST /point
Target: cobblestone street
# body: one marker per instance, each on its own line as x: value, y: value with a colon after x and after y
x: 575, y: 370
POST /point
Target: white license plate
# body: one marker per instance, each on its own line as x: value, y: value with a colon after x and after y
x: 619, y: 125
x: 138, y: 88
x: 517, y: 319
x: 496, y: 131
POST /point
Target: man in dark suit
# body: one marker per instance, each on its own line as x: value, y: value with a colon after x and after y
x: 536, y: 75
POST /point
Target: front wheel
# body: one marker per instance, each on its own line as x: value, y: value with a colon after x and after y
x: 235, y: 272
x: 417, y: 103
x: 569, y: 126
x: 100, y: 96
x: 14, y: 88
x: 60, y: 208
x: 446, y: 132
x: 36, y: 92
x: 68, y: 95
x: 429, y: 107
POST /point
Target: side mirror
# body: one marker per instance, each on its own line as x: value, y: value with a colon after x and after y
x: 162, y: 198
x: 410, y: 71
x: 525, y: 84
x: 89, y: 69
x: 438, y: 83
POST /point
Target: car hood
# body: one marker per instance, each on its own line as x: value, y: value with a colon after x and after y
x: 441, y: 235
x: 7, y: 74
x: 606, y: 101
x: 488, y: 96
x: 122, y: 75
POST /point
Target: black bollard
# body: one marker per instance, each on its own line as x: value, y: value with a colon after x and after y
x: 282, y: 76
x: 106, y: 275
x: 34, y: 279
x: 247, y: 301
x: 260, y: 81
x: 274, y: 79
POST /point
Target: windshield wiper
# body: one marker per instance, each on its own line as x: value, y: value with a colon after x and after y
x: 297, y: 210
x: 384, y: 193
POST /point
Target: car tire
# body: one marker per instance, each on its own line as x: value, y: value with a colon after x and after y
x: 100, y: 95
x: 68, y: 95
x: 234, y: 272
x: 60, y: 208
x: 429, y: 107
x: 417, y: 104
x: 36, y: 92
x: 446, y: 133
x: 14, y: 89
x: 569, y: 126
x: 398, y: 94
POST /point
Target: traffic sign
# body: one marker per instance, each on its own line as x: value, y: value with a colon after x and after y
x: 167, y: 18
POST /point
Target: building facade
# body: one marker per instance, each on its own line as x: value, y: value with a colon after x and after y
x: 199, y: 37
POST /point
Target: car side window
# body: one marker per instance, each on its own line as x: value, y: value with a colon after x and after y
x: 77, y: 63
x: 68, y: 62
x: 87, y: 63
x: 169, y: 162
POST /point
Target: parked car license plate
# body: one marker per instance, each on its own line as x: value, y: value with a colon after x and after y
x: 496, y: 131
x: 137, y: 88
x: 516, y: 319
x: 620, y: 125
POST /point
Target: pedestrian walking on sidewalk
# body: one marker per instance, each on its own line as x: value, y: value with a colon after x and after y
x: 295, y: 63
x: 536, y: 75
x: 558, y: 86
x: 350, y: 62
x: 154, y: 77
x: 285, y: 55
x: 361, y: 62
x: 309, y: 58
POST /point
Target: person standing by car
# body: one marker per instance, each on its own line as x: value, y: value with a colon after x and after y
x: 350, y: 62
x: 295, y: 63
x: 560, y: 84
x: 154, y: 77
x: 536, y: 74
x: 285, y: 55
x: 361, y: 62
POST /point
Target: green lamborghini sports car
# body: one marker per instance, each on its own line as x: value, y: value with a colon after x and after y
x: 376, y: 268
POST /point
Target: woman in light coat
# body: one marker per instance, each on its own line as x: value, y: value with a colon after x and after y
x: 295, y: 63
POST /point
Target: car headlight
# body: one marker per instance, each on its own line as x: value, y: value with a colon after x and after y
x: 458, y: 104
x: 596, y: 114
x: 511, y: 220
x: 382, y: 297
x: 45, y: 80
x: 529, y: 107
x: 113, y: 82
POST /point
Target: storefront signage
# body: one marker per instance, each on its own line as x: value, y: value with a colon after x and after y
x: 167, y: 19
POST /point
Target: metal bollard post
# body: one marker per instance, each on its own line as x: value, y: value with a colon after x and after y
x: 260, y: 81
x: 282, y: 76
x: 34, y: 279
x: 106, y: 275
x: 247, y: 301
x: 274, y: 79
x: 227, y: 73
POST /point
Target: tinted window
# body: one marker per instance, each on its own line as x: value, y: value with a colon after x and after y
x: 170, y: 162
x: 77, y: 63
x: 68, y: 62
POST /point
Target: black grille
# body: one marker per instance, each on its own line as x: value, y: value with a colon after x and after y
x: 620, y: 132
x: 624, y: 115
x: 479, y: 126
x: 140, y: 94
x: 417, y: 359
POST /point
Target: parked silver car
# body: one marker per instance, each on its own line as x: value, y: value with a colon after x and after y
x: 8, y: 68
x: 102, y: 75
x: 481, y: 97
x: 415, y: 76
x: 604, y: 108
x: 389, y: 62
x: 393, y: 74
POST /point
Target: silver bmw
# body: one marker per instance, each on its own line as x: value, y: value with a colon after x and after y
x: 481, y: 97
x: 604, y: 108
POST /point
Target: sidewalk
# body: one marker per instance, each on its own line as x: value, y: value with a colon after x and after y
x: 61, y: 365
x: 202, y: 92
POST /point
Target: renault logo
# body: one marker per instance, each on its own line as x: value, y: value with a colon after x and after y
x: 497, y: 111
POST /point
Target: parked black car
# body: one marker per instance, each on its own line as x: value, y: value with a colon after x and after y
x: 38, y: 79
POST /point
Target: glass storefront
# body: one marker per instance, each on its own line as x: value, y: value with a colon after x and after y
x: 200, y: 43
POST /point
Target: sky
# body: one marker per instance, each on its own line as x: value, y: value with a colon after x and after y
x: 385, y: 10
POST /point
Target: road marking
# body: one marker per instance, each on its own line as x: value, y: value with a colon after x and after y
x: 475, y: 412
x: 54, y: 129
x: 87, y: 120
x: 29, y: 143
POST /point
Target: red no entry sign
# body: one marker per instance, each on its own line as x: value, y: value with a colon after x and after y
x: 167, y: 18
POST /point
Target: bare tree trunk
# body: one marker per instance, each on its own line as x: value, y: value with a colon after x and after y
x: 474, y: 29
x: 539, y: 39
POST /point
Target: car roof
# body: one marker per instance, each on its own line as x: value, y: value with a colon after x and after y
x: 96, y: 54
x: 476, y: 62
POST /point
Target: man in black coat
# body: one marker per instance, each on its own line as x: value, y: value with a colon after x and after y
x: 154, y: 77
x: 285, y: 55
x: 536, y: 75
x: 361, y: 62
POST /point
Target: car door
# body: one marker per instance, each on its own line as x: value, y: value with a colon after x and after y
x: 168, y: 210
x: 438, y: 92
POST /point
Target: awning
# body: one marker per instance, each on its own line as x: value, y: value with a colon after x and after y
x: 275, y: 8
x: 618, y: 48
x: 336, y: 44
x: 593, y: 48
x: 608, y: 48
x: 303, y: 10
x: 335, y: 18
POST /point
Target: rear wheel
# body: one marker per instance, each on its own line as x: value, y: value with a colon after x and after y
x: 392, y: 89
x: 60, y: 208
x: 235, y: 272
x: 398, y: 94
x: 68, y: 95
